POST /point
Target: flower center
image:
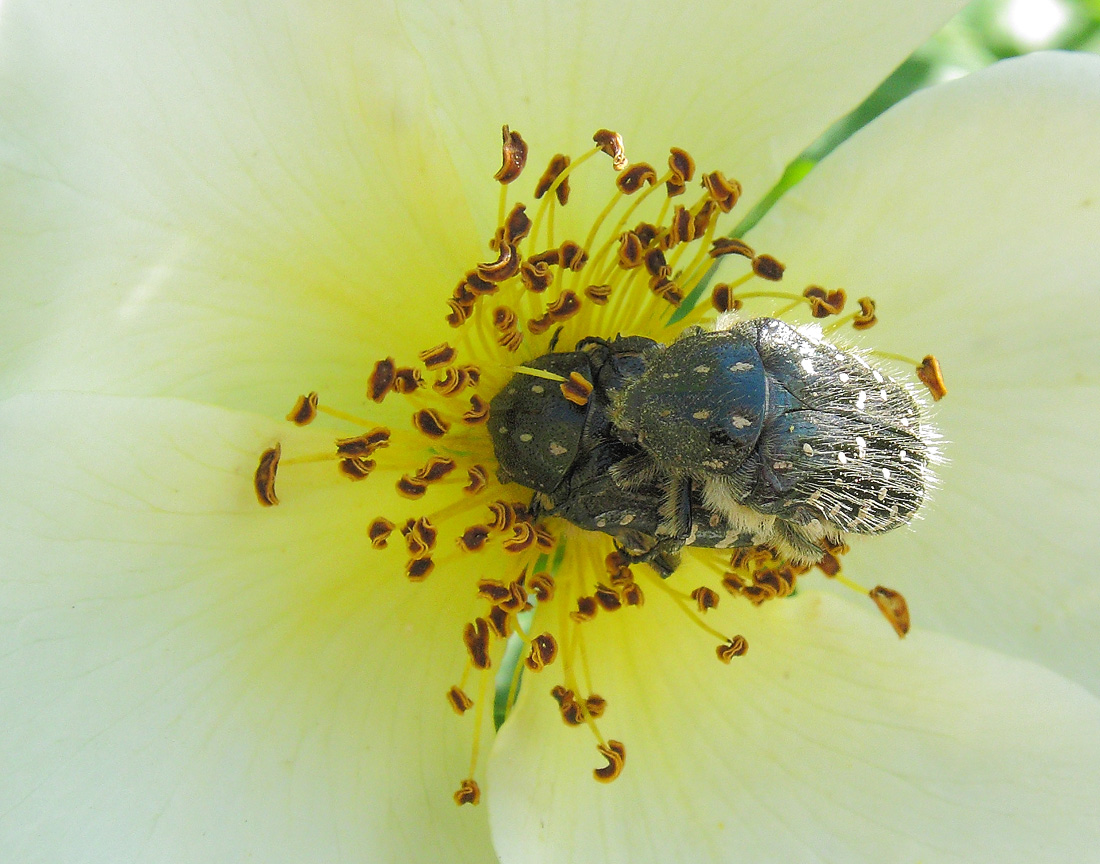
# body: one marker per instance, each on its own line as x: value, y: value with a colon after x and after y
x: 567, y: 451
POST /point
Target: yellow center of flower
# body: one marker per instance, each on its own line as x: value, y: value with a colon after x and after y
x: 639, y: 266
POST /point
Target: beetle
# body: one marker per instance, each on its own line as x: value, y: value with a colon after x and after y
x: 565, y: 453
x: 754, y: 433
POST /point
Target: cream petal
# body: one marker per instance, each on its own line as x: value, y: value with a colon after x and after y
x: 830, y: 740
x: 191, y: 677
x: 971, y: 212
x: 743, y: 87
x: 217, y: 202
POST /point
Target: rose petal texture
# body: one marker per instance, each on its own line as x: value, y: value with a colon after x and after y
x: 244, y: 195
x: 829, y: 741
x: 971, y: 213
x: 190, y: 678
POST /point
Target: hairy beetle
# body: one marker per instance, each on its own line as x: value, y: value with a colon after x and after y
x: 751, y: 434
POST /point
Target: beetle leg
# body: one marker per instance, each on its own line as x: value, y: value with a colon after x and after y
x: 634, y: 471
x: 676, y: 509
x: 663, y: 556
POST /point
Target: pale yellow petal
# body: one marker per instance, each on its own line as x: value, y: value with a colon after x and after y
x: 971, y: 213
x: 216, y: 200
x: 830, y: 740
x: 190, y: 677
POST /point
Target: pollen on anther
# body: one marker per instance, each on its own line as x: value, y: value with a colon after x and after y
x: 474, y: 538
x: 611, y: 143
x: 866, y: 317
x: 586, y: 609
x: 418, y: 569
x: 893, y: 607
x: 304, y: 410
x: 730, y: 246
x: 356, y: 467
x: 557, y: 164
x: 767, y: 267
x: 468, y: 792
x: 544, y: 649
x: 735, y: 647
x: 379, y: 531
x: 615, y: 753
x: 514, y: 153
x: 429, y: 423
x: 478, y: 479
x: 931, y: 376
x: 576, y: 389
x: 459, y: 701
x: 264, y: 479
x: 705, y: 598
x: 475, y: 635
x: 634, y: 177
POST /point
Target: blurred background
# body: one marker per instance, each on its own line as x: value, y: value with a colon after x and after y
x: 983, y: 33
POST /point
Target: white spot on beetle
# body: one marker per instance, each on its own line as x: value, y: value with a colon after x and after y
x: 885, y: 473
x: 526, y: 437
x: 861, y: 400
x: 844, y: 377
x: 557, y: 450
x: 878, y: 376
x: 740, y: 367
x: 701, y: 369
x: 538, y: 388
x: 627, y: 519
x: 701, y: 415
x: 807, y: 449
x: 808, y: 365
x: 841, y: 458
x: 739, y: 422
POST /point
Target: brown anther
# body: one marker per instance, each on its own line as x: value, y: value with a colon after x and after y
x: 866, y: 317
x: 472, y: 373
x: 459, y: 701
x: 647, y: 232
x: 932, y: 377
x: 767, y: 267
x: 723, y: 191
x: 365, y: 444
x: 381, y: 379
x: 517, y: 225
x: 893, y: 608
x: 825, y: 303
x: 730, y: 246
x: 572, y: 257
x: 631, y: 250
x: 451, y: 383
x: 586, y: 609
x: 430, y: 424
x: 615, y: 562
x: 437, y: 357
x: 418, y: 569
x: 829, y: 564
x: 458, y: 314
x: 421, y: 539
x: 505, y: 267
x: 264, y: 479
x: 671, y: 294
x: 409, y: 488
x: 542, y: 586
x: 493, y: 590
x: 682, y: 228
x: 655, y: 263
x: 406, y: 379
x: 500, y: 622
x: 379, y: 531
x: 560, y: 694
x: 468, y: 792
x: 476, y: 638
x: 551, y: 257
x: 504, y: 319
x: 304, y: 410
x: 474, y: 285
x: 510, y: 341
x: 514, y: 153
x: 612, y: 144
x: 598, y: 294
x: 540, y: 325
x: 705, y: 598
x: 571, y: 711
x: 731, y: 648
x: 608, y: 598
x: 576, y: 389
x: 557, y: 164
x: 703, y: 217
x: 723, y: 299
x: 503, y: 515
x: 544, y: 649
x: 436, y: 468
x: 565, y: 307
x: 632, y: 595
x: 595, y: 706
x: 544, y: 540
x: 523, y: 535
x: 517, y: 598
x: 535, y: 277
x: 683, y: 170
x: 634, y: 177
x: 478, y: 413
x: 479, y: 479
x: 474, y: 538
x: 615, y: 754
x: 356, y: 467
